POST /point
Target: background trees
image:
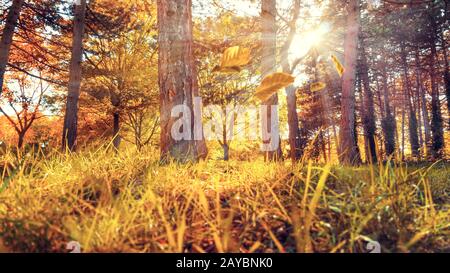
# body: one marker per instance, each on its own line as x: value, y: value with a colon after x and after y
x: 395, y: 105
x: 23, y: 104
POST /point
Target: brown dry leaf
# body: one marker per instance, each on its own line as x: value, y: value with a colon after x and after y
x: 272, y: 84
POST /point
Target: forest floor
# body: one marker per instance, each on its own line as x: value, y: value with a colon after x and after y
x: 130, y: 203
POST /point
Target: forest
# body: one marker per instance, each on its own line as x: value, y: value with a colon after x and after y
x: 224, y: 126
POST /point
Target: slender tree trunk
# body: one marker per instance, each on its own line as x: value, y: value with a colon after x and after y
x: 436, y: 119
x: 324, y: 113
x: 116, y: 130
x: 382, y: 116
x: 446, y: 74
x: 403, y: 129
x: 293, y: 123
x: 71, y: 116
x: 269, y: 53
x: 226, y: 151
x: 388, y: 124
x: 21, y: 137
x: 291, y: 96
x: 178, y: 83
x: 423, y: 105
x: 369, y: 109
x: 348, y: 151
x: 419, y: 122
x: 413, y: 136
x: 225, y: 143
x: 7, y: 36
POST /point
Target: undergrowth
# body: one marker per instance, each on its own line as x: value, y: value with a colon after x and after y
x: 129, y: 202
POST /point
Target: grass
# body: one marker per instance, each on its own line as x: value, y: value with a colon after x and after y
x: 130, y: 203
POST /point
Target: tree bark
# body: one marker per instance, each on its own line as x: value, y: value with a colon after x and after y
x: 116, y: 130
x: 446, y: 74
x: 226, y: 151
x: 388, y: 124
x: 71, y: 116
x: 423, y: 105
x: 436, y: 119
x: 7, y: 36
x: 269, y: 53
x: 178, y: 81
x: 348, y: 150
x: 20, y: 141
x: 412, y: 122
x: 291, y: 96
x: 368, y: 109
x: 293, y: 124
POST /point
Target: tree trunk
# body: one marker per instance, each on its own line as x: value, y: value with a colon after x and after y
x: 388, y: 124
x: 293, y: 123
x: 178, y: 82
x: 226, y: 151
x: 116, y: 130
x: 413, y: 136
x: 71, y: 115
x: 403, y: 130
x: 20, y: 141
x: 419, y: 122
x: 423, y: 105
x: 446, y: 74
x: 269, y: 53
x: 369, y: 110
x: 348, y: 150
x: 291, y: 96
x: 6, y: 41
x: 436, y: 119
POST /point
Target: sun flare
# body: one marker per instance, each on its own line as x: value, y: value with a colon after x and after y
x: 303, y: 42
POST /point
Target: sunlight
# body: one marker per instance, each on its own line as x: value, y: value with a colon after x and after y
x: 303, y: 42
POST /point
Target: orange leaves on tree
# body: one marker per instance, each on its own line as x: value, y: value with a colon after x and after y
x: 272, y: 84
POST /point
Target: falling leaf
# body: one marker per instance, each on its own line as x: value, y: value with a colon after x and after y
x: 317, y: 86
x: 233, y: 59
x: 272, y: 83
x: 339, y: 67
x: 234, y: 69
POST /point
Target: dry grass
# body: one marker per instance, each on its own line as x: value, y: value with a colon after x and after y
x: 130, y: 203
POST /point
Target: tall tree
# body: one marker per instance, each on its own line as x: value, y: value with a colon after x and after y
x: 446, y: 73
x: 291, y: 97
x: 348, y: 150
x: 436, y: 115
x: 423, y: 104
x: 178, y: 81
x: 7, y: 36
x: 368, y: 111
x: 71, y: 116
x: 412, y: 124
x: 269, y: 53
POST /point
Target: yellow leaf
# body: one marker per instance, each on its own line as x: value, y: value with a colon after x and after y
x: 233, y: 58
x: 272, y: 84
x: 317, y: 86
x: 339, y: 67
